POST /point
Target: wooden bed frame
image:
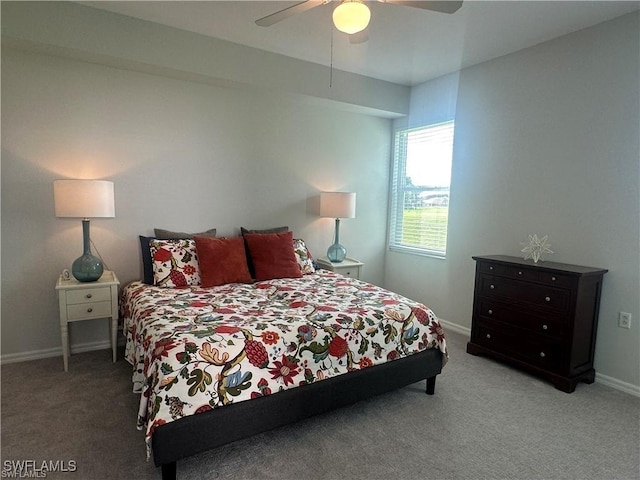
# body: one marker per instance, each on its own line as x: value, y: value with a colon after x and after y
x: 198, y: 433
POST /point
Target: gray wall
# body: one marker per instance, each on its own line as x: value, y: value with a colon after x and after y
x: 195, y: 133
x: 183, y: 156
x: 546, y: 142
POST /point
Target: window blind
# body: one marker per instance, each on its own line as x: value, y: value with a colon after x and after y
x: 421, y: 178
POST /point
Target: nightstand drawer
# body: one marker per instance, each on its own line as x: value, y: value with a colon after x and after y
x: 349, y: 272
x: 83, y: 311
x: 349, y: 267
x: 88, y: 295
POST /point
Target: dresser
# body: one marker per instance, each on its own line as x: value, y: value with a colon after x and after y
x: 541, y: 317
x: 79, y: 301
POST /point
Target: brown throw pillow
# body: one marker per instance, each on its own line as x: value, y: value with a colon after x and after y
x: 273, y: 255
x: 221, y: 261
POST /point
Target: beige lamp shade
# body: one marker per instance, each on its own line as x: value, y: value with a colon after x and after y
x: 338, y: 204
x: 84, y: 198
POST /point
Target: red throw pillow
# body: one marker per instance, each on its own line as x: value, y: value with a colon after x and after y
x: 222, y: 260
x: 273, y: 255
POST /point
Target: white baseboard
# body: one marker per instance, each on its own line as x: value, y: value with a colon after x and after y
x: 600, y: 378
x: 55, y: 352
x: 454, y: 327
x: 618, y: 384
x: 32, y: 355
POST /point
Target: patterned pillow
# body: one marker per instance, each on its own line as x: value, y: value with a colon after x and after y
x: 305, y: 260
x: 175, y: 263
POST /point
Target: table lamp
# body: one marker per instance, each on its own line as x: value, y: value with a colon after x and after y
x: 337, y: 205
x: 84, y: 199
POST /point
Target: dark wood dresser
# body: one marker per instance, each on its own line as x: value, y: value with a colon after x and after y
x: 542, y: 317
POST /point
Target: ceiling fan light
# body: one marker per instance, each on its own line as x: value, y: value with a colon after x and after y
x: 351, y: 16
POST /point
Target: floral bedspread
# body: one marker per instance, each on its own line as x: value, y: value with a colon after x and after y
x: 194, y: 348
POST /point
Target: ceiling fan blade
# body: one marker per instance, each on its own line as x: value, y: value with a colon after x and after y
x: 287, y: 12
x: 442, y: 6
x: 360, y: 37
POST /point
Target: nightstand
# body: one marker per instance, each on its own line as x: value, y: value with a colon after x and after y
x: 348, y: 267
x: 85, y: 301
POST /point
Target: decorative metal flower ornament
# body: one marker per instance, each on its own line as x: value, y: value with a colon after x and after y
x: 535, y: 248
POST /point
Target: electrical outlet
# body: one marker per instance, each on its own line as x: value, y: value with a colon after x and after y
x: 624, y: 320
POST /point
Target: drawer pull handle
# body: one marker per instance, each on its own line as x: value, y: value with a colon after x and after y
x: 488, y: 335
x: 89, y: 310
x: 547, y: 299
x: 519, y: 273
x: 490, y: 312
x: 542, y: 355
x: 492, y: 286
x: 544, y: 327
x: 490, y: 268
x: 553, y: 279
x: 88, y: 295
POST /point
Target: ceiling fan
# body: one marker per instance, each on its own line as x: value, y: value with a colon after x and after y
x: 352, y: 16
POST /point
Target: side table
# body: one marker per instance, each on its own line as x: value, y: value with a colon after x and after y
x: 85, y: 301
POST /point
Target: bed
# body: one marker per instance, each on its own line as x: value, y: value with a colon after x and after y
x: 215, y: 362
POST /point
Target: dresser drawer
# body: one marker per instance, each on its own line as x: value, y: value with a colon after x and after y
x: 557, y: 279
x: 88, y: 295
x: 532, y: 350
x: 508, y: 271
x: 519, y: 291
x: 522, y: 272
x: 81, y: 311
x: 537, y: 322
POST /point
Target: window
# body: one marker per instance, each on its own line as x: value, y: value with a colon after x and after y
x: 420, y: 189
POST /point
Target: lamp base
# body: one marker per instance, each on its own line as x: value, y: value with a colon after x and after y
x: 87, y: 268
x: 336, y: 253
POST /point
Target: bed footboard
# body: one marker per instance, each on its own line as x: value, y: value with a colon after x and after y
x: 189, y: 435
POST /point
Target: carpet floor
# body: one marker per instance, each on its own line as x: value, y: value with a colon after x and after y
x: 485, y: 421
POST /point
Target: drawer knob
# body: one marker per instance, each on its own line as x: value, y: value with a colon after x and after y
x: 490, y: 268
x: 89, y: 310
x: 89, y: 295
x: 488, y: 335
x: 490, y: 312
x: 544, y: 327
x: 547, y: 299
x: 542, y: 355
x: 492, y: 286
x: 553, y: 279
x: 519, y: 273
